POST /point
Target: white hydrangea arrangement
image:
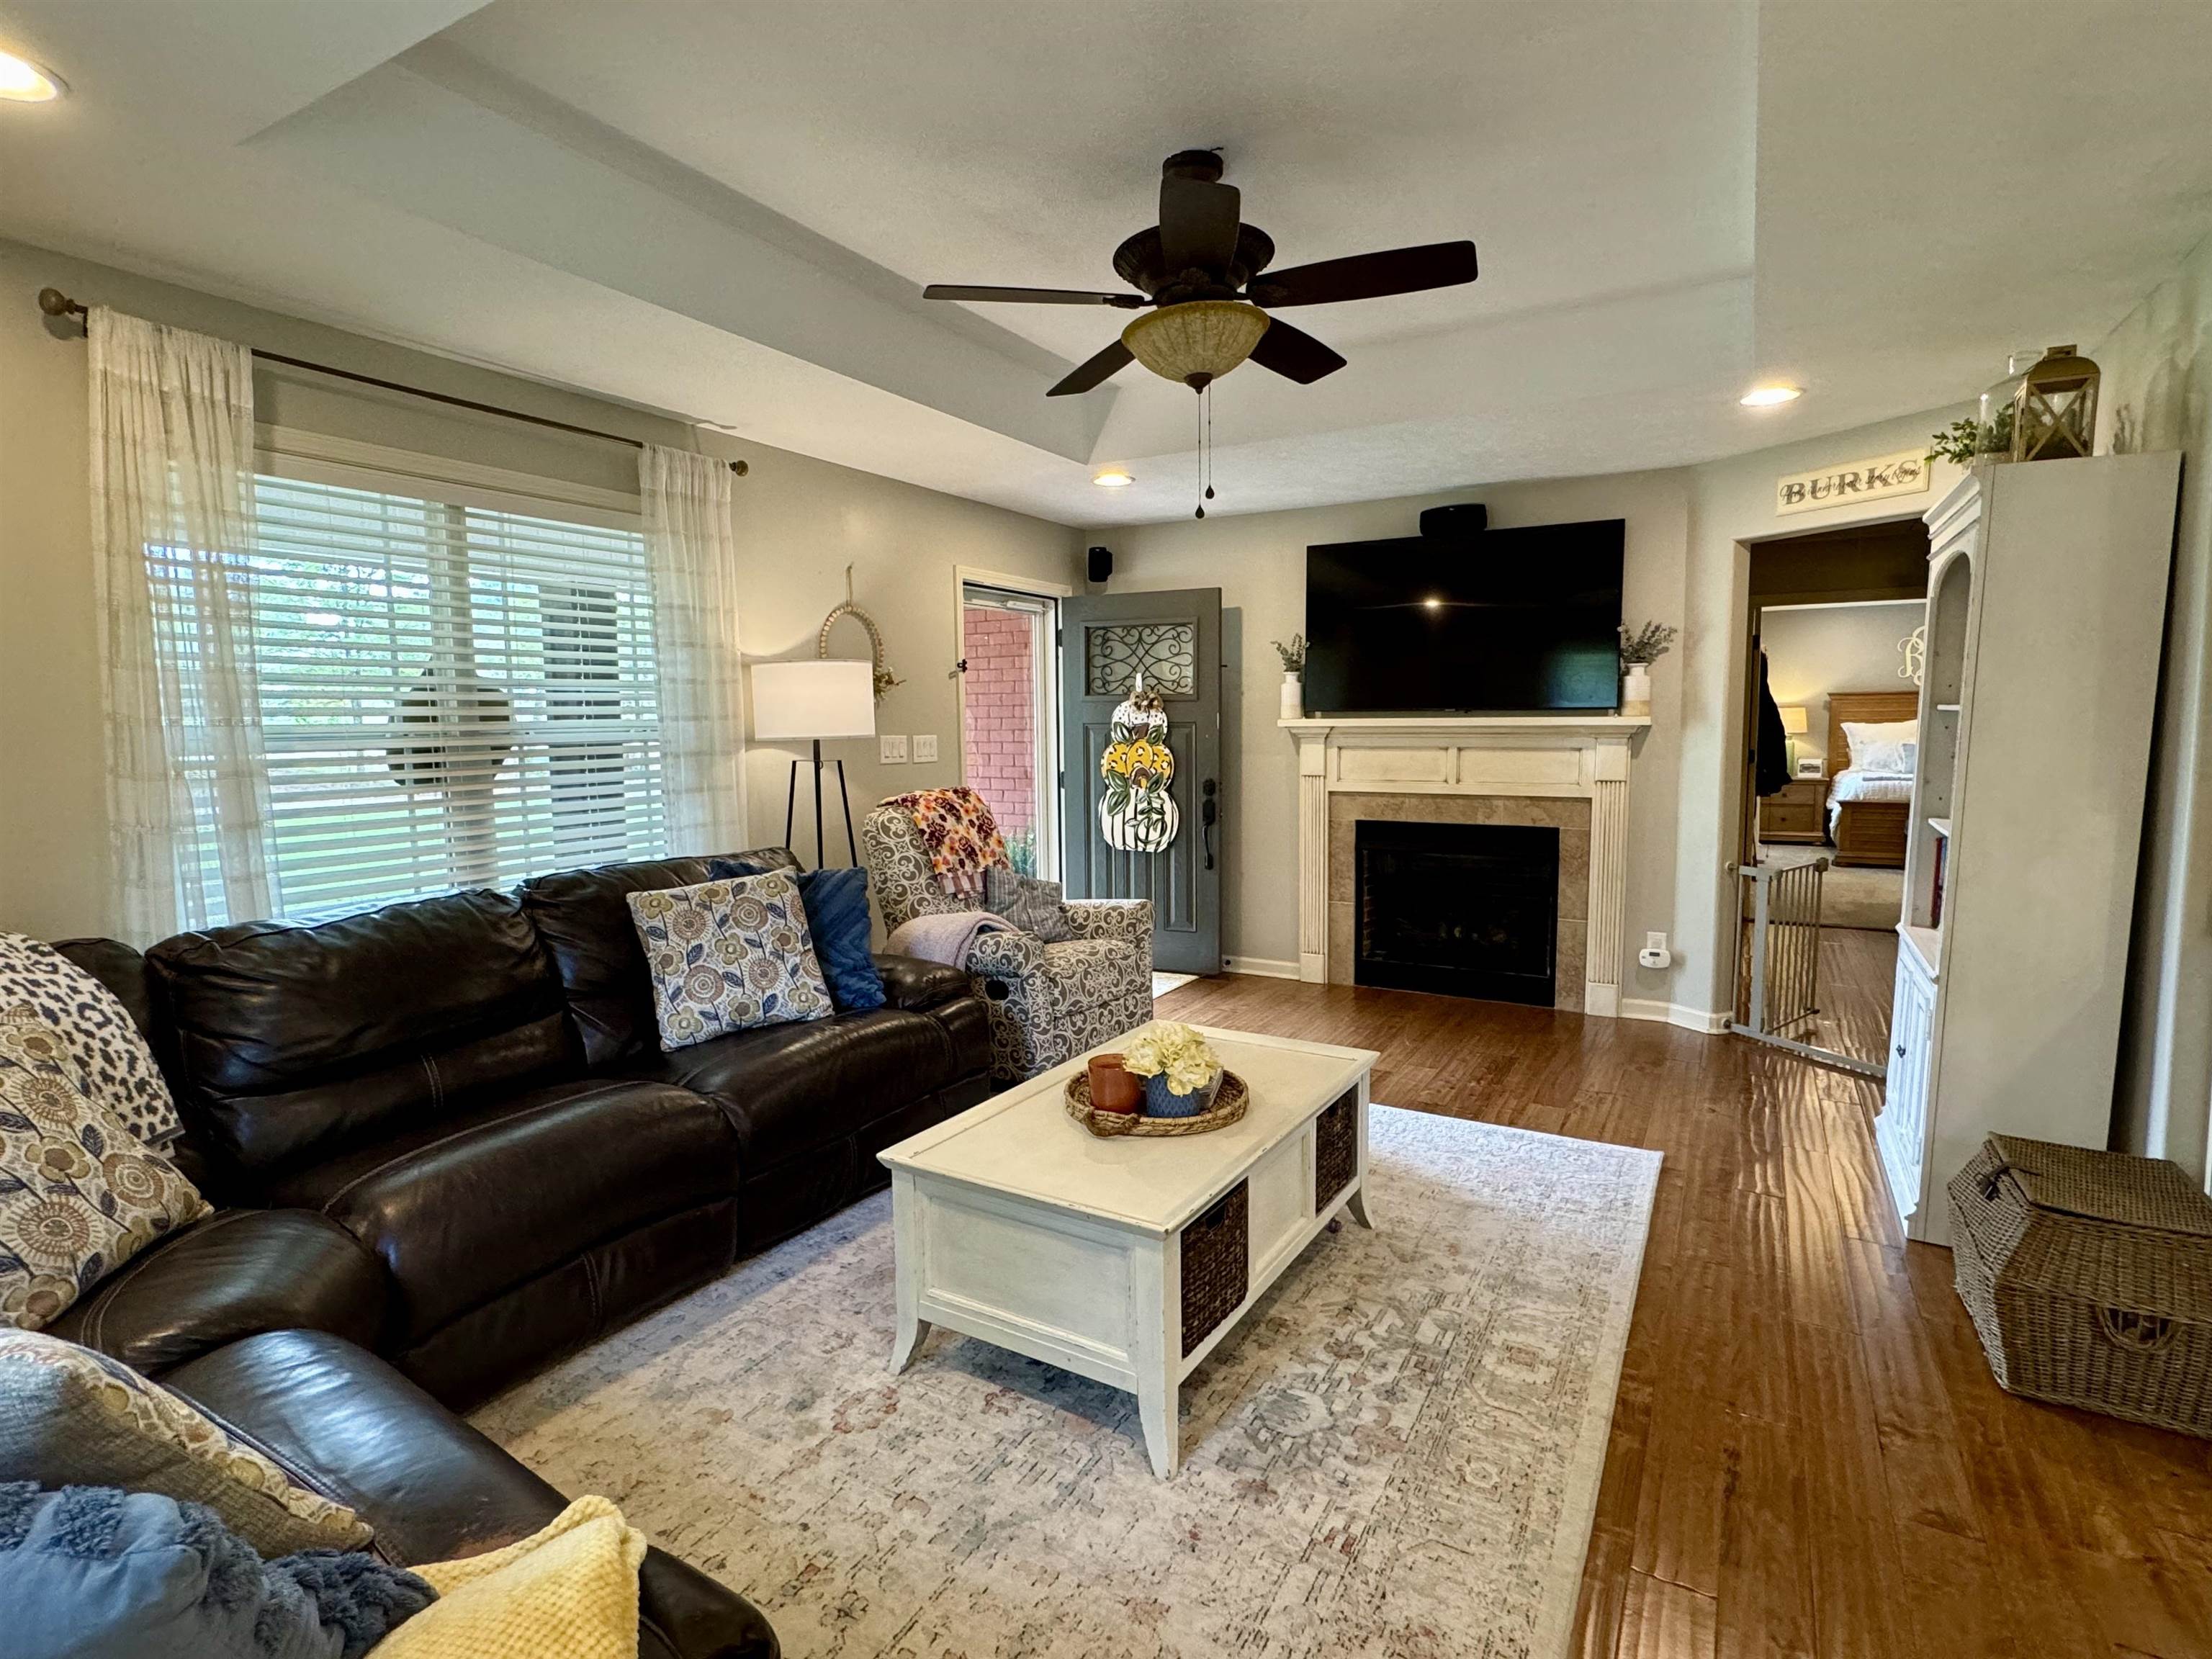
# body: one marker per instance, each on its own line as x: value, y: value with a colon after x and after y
x: 1167, y: 1047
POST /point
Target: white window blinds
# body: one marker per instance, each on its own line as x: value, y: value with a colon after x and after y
x: 451, y: 694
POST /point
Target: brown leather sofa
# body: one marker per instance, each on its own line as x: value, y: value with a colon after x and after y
x: 451, y: 1150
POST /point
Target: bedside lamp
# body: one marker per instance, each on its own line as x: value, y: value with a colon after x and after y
x: 811, y: 701
x: 1796, y: 724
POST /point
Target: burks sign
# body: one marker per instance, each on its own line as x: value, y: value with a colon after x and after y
x: 1902, y: 474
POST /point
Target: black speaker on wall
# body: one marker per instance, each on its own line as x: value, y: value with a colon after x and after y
x: 1101, y: 564
x: 1462, y: 519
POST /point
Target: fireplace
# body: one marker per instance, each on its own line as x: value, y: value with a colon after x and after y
x: 1465, y: 909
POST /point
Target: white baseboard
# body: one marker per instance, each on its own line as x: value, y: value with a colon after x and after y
x: 1259, y: 967
x: 1711, y: 1022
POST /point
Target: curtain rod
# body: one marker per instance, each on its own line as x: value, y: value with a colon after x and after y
x: 55, y: 303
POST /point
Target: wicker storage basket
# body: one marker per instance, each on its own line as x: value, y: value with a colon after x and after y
x: 2089, y: 1278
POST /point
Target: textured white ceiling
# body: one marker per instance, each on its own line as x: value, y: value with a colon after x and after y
x: 726, y: 210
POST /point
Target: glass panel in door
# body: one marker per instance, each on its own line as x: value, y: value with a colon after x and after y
x: 1008, y: 729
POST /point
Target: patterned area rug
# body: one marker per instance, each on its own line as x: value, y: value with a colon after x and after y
x: 1397, y: 1454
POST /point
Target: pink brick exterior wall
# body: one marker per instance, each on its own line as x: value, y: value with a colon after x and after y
x: 999, y: 738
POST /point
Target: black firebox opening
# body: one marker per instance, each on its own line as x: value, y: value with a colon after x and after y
x: 1465, y: 909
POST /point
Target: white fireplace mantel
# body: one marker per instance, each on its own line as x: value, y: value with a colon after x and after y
x: 1580, y: 756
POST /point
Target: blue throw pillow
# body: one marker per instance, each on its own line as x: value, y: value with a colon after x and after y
x: 92, y: 1572
x: 837, y: 903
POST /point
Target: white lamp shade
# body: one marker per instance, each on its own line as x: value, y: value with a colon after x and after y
x: 1795, y: 721
x: 808, y: 700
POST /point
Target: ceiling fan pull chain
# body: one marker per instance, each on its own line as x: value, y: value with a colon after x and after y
x: 1201, y: 448
x: 1209, y: 440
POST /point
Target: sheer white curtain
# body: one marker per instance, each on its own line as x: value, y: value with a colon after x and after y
x: 173, y: 519
x: 692, y: 549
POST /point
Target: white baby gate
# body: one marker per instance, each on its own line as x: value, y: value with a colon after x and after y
x: 1784, y: 973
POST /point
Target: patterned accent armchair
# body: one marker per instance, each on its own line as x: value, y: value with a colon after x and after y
x: 1047, y: 1003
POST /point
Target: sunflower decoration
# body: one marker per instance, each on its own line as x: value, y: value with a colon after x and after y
x: 1136, y: 812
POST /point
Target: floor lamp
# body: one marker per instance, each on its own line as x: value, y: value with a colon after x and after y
x: 811, y: 702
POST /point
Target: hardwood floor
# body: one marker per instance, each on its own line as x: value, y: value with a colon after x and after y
x: 1858, y: 973
x: 1808, y: 1457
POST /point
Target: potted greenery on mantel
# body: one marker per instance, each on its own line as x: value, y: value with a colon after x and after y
x: 1639, y: 651
x: 1293, y: 653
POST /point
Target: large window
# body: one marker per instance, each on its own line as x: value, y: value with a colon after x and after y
x: 451, y: 694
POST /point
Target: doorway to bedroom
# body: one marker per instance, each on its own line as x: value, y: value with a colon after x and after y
x: 1830, y: 697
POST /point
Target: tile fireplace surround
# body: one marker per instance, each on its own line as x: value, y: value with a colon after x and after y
x: 1566, y: 770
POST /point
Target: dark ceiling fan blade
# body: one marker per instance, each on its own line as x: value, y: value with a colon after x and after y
x: 1198, y: 225
x: 1031, y: 296
x: 1367, y: 275
x: 1294, y: 354
x: 1108, y: 363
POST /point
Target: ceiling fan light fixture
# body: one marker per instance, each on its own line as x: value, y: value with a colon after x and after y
x: 1114, y: 477
x: 23, y: 81
x: 1768, y: 397
x: 1197, y: 342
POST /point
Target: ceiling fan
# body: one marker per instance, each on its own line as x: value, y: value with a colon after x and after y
x: 1203, y: 274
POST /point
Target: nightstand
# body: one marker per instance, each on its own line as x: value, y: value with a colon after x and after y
x: 1798, y: 812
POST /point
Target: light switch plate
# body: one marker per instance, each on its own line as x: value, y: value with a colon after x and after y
x: 893, y: 752
x: 924, y: 746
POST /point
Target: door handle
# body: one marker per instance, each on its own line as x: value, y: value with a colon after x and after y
x: 1209, y: 812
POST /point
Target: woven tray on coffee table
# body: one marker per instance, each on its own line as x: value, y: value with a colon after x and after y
x: 1229, y: 1104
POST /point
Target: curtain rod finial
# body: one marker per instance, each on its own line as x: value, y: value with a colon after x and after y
x: 740, y: 468
x: 55, y: 303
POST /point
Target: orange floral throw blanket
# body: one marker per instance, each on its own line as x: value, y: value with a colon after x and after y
x: 962, y: 837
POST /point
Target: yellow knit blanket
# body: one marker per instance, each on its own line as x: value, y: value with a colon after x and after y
x: 569, y: 1592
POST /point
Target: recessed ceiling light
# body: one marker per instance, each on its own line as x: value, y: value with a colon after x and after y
x: 23, y: 81
x: 1112, y: 478
x: 1433, y: 603
x: 1766, y: 397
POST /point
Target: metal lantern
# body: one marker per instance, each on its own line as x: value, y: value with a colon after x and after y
x: 2055, y: 411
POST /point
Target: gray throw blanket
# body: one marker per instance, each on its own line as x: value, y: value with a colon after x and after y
x: 944, y: 937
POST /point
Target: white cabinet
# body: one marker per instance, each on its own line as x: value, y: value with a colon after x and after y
x: 1901, y: 1131
x: 2046, y: 609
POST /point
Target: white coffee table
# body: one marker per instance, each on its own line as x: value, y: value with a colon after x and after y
x: 1125, y: 1260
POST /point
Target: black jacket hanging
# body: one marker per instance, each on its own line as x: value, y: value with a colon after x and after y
x: 1773, y: 748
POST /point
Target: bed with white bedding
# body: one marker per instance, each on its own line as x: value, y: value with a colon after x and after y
x: 1872, y: 740
x: 1861, y: 783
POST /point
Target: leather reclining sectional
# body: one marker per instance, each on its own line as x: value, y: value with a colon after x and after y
x: 451, y: 1150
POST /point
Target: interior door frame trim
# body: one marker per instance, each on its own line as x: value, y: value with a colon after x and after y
x: 965, y: 576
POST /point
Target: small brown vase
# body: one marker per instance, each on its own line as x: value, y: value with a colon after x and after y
x: 1112, y: 1089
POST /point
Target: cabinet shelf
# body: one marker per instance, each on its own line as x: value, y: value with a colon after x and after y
x: 1927, y: 943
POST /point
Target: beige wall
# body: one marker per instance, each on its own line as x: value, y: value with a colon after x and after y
x: 1814, y: 649
x: 1732, y: 507
x: 1258, y: 561
x: 800, y: 523
x: 1686, y: 563
x: 2157, y: 394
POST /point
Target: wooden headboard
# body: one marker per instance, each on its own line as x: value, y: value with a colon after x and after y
x: 1861, y: 708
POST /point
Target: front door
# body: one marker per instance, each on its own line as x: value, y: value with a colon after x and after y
x: 1120, y: 840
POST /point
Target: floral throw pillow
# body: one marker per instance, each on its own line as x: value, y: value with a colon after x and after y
x: 80, y: 1195
x: 728, y: 956
x: 72, y: 1417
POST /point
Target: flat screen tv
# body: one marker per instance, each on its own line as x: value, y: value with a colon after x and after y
x: 1498, y: 622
